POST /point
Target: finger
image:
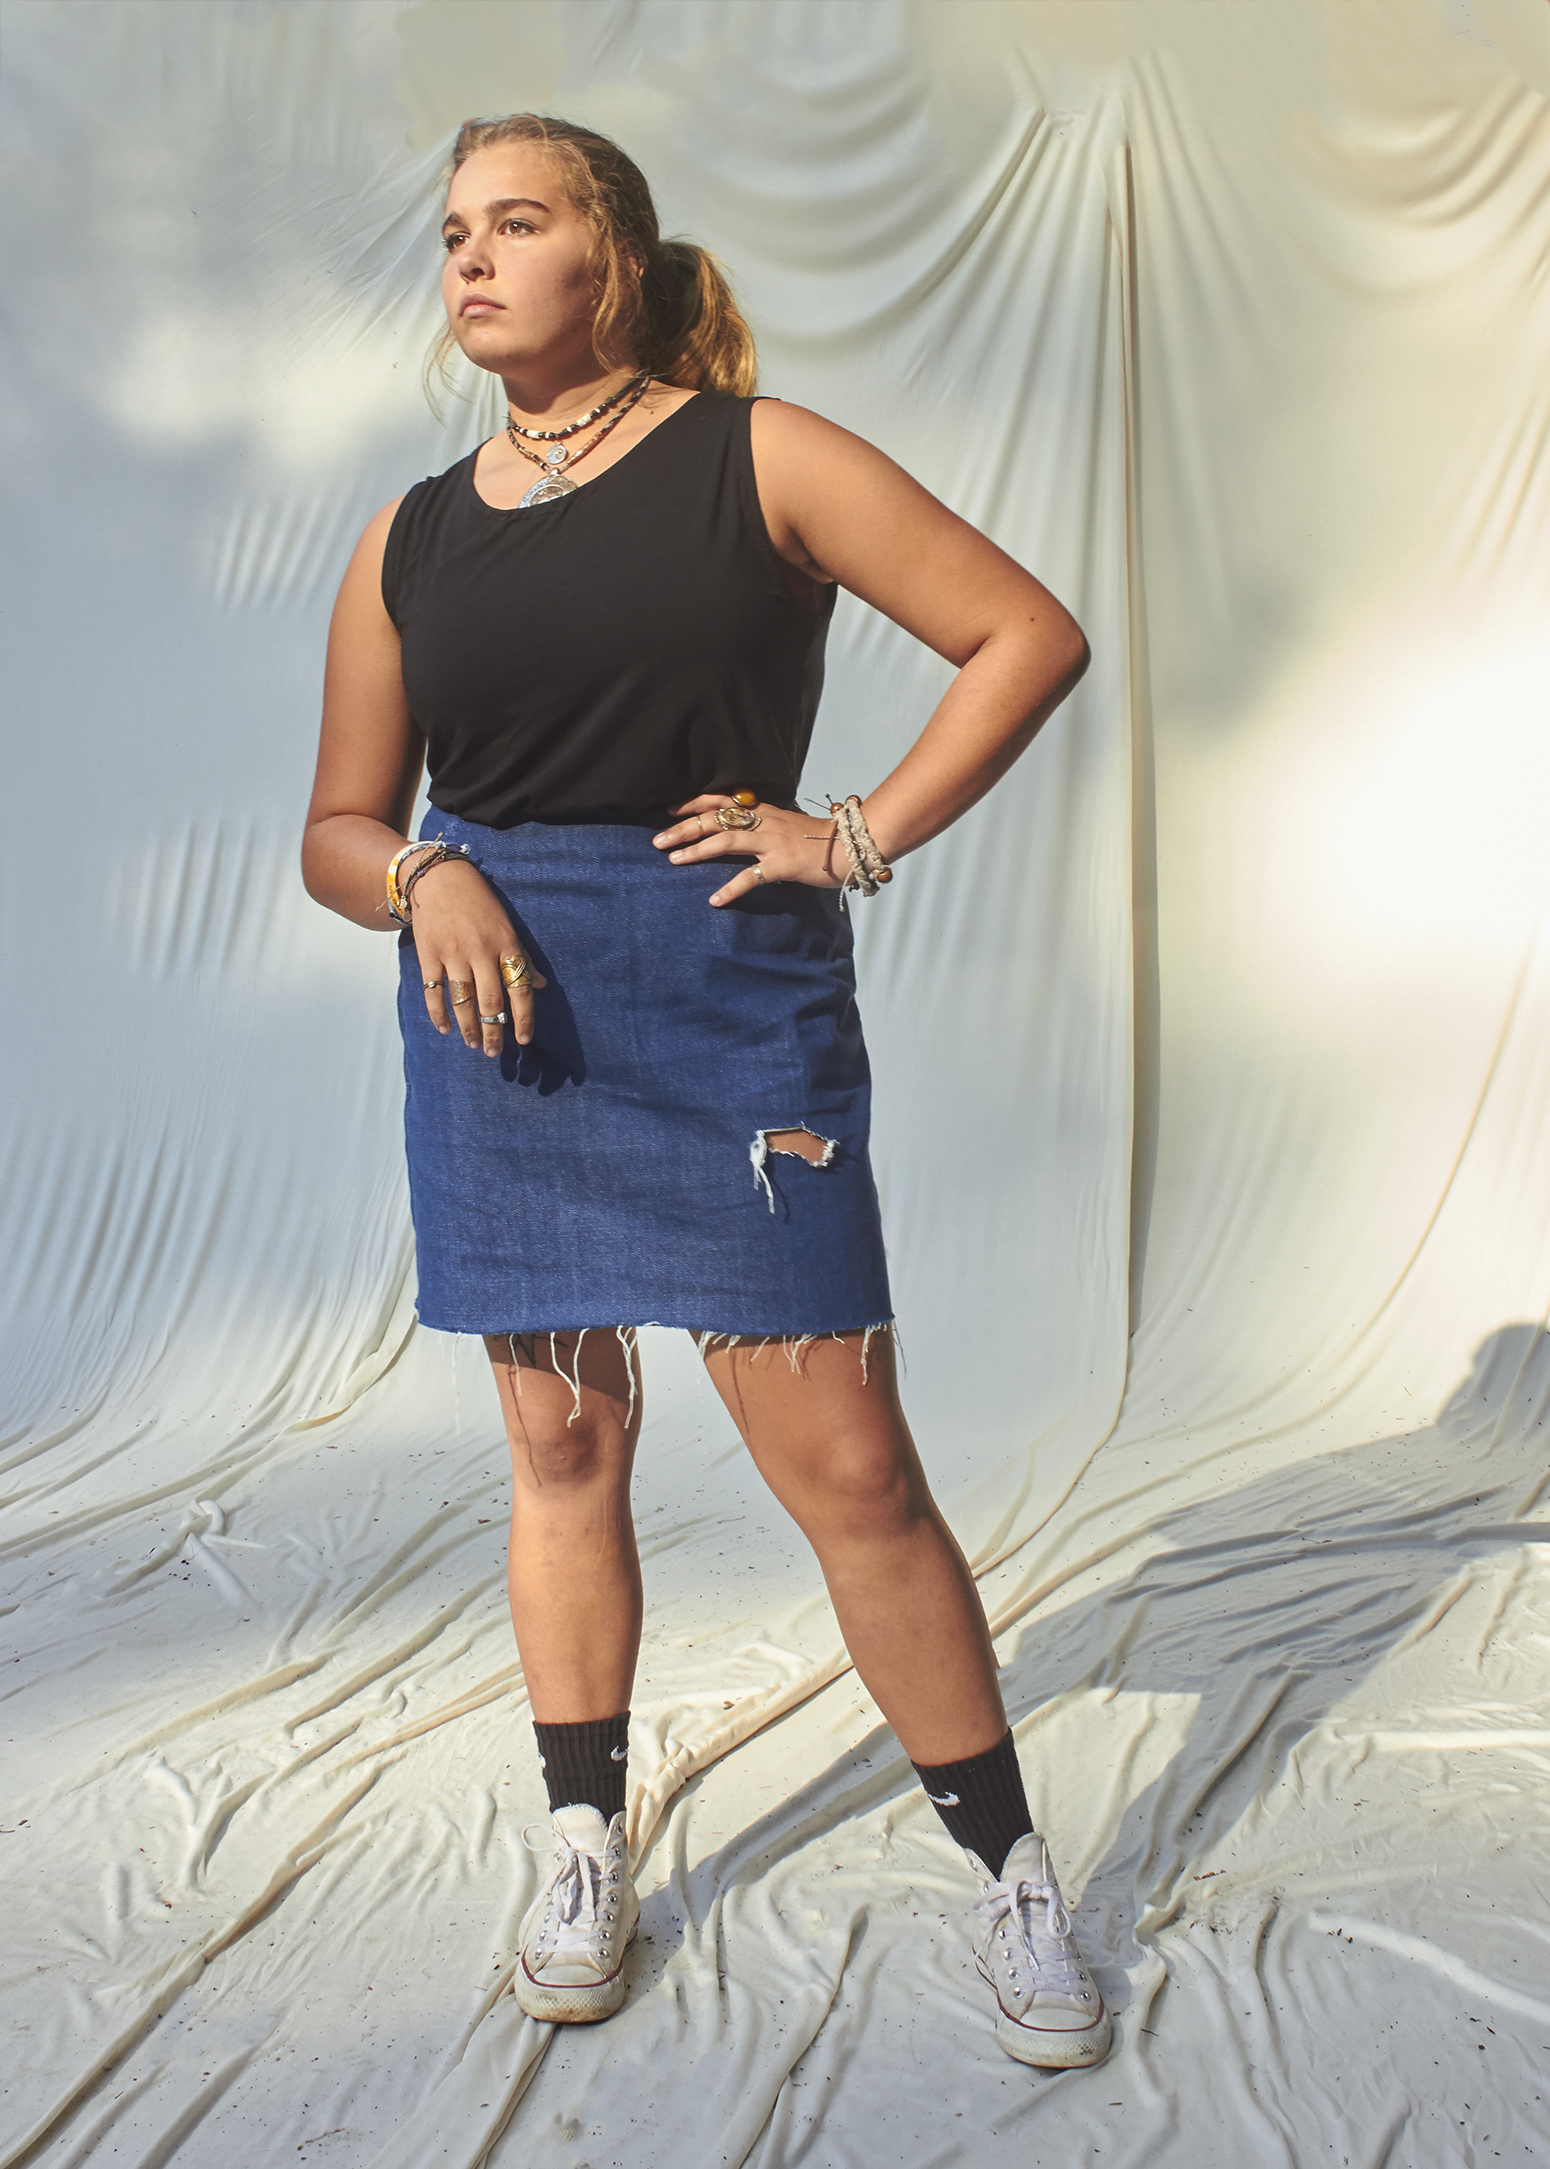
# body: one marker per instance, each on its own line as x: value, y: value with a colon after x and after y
x: 434, y: 981
x: 519, y: 1000
x: 743, y: 884
x: 494, y: 1010
x: 519, y: 996
x: 462, y: 1004
x: 519, y: 1003
x: 706, y: 802
x: 715, y: 846
x: 699, y: 826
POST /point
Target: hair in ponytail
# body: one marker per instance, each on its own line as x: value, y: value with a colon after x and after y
x: 665, y: 304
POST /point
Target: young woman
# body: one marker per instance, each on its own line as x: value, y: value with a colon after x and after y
x: 637, y: 1089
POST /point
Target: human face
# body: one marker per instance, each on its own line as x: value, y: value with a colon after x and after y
x: 517, y: 282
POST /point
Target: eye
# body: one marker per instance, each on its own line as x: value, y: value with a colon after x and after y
x: 517, y: 225
x: 450, y: 241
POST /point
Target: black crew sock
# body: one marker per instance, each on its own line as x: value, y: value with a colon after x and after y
x: 981, y: 1801
x: 583, y: 1765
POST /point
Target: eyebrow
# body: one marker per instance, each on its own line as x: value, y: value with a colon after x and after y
x: 501, y: 203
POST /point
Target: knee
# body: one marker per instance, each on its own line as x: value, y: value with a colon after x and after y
x: 551, y: 1459
x: 861, y: 1493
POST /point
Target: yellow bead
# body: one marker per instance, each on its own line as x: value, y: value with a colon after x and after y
x: 745, y: 798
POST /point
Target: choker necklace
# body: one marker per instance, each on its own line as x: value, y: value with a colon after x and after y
x: 554, y: 482
x: 547, y: 436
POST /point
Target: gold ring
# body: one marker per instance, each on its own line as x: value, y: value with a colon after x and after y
x: 729, y: 817
x: 430, y: 985
x: 461, y: 991
x: 516, y: 971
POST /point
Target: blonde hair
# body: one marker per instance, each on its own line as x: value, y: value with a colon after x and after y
x: 664, y: 304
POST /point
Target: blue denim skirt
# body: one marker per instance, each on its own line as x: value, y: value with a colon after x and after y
x: 614, y: 1172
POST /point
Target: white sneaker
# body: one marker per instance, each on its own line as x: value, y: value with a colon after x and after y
x: 576, y: 1931
x: 1049, y: 2009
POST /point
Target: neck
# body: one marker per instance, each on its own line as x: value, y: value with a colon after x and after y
x: 542, y: 398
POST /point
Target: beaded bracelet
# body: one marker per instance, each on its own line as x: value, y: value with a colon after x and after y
x: 868, y: 868
x: 438, y: 856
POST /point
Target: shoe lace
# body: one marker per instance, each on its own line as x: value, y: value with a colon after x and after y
x: 572, y: 1924
x: 1044, y: 1934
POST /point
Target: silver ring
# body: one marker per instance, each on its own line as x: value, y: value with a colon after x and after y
x: 498, y: 1018
x: 758, y: 872
x: 430, y: 985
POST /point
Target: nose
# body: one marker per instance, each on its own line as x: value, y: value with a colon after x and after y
x: 473, y: 260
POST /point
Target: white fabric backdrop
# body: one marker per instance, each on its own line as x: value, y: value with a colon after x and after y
x: 1212, y: 1075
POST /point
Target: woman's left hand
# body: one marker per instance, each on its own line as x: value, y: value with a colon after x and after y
x: 783, y: 847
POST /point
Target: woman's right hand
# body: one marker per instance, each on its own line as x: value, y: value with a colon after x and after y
x: 461, y: 933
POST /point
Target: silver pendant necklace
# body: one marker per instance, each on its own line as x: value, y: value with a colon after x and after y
x: 555, y: 483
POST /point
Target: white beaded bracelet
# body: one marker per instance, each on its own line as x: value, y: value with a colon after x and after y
x: 868, y: 868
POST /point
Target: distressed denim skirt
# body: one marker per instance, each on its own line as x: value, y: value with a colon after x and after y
x: 615, y: 1171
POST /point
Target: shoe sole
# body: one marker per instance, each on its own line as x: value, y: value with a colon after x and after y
x: 574, y: 2004
x: 1051, y: 2050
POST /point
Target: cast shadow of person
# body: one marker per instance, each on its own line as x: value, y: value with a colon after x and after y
x: 1253, y: 1613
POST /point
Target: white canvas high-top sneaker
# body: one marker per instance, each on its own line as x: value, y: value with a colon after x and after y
x: 1049, y: 2011
x: 575, y: 1933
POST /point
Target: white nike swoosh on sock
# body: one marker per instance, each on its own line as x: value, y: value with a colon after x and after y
x: 618, y: 1754
x: 948, y: 1799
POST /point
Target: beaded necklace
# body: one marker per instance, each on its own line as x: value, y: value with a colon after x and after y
x: 555, y: 482
x: 547, y: 436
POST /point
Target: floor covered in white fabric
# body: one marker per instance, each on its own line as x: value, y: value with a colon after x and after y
x: 1213, y: 1057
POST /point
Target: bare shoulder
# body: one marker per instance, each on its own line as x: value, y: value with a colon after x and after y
x: 374, y: 534
x: 360, y: 591
x: 783, y: 434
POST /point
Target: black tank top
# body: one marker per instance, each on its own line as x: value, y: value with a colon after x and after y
x: 613, y: 652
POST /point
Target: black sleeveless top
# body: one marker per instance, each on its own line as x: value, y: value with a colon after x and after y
x: 616, y: 651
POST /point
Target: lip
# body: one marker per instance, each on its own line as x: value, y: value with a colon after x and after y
x: 479, y: 302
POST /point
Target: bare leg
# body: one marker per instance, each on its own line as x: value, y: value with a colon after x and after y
x: 837, y: 1453
x: 574, y: 1572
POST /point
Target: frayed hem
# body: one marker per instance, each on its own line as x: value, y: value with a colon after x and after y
x: 794, y: 1346
x: 628, y: 1338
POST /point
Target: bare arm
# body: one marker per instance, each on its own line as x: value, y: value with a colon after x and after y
x: 841, y: 510
x: 370, y: 757
x: 370, y: 753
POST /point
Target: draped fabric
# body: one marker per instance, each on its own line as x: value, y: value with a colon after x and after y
x: 1211, y: 1059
